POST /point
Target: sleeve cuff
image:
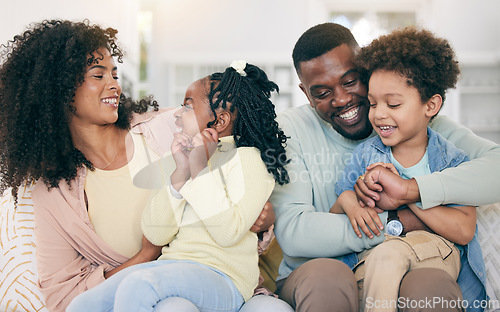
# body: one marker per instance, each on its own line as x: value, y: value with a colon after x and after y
x: 431, y: 191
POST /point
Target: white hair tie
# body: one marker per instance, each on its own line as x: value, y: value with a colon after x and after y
x: 239, y: 67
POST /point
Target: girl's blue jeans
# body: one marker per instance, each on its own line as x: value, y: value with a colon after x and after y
x: 163, y: 284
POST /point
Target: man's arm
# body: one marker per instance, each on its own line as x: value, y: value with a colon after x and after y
x: 471, y: 183
x: 303, y: 230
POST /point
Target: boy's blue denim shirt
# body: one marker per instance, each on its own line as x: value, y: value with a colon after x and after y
x: 442, y: 154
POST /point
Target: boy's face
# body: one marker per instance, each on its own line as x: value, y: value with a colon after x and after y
x: 335, y: 91
x: 396, y: 110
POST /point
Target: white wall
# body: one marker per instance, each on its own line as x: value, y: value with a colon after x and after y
x: 16, y: 15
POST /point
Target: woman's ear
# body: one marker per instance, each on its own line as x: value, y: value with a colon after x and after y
x: 223, y: 121
x: 433, y: 105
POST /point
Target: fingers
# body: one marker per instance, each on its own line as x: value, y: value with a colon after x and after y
x: 370, y: 167
x: 355, y: 227
x: 212, y: 133
x: 182, y: 142
x: 376, y: 219
x: 265, y: 219
x: 391, y: 167
x: 364, y: 194
x: 363, y: 225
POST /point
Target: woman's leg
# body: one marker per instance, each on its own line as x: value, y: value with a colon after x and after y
x: 206, y: 288
x: 263, y: 303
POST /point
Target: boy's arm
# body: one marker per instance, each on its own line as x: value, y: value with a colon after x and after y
x: 364, y: 218
x: 471, y: 183
x: 455, y: 223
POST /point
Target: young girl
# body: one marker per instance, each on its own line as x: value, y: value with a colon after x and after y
x: 226, y: 156
x: 409, y: 73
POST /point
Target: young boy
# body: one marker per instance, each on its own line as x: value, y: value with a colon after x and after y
x: 409, y: 72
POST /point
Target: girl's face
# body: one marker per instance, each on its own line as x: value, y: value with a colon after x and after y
x: 96, y: 99
x: 195, y: 113
x: 397, y: 112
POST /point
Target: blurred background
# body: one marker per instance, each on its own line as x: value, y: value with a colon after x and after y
x: 170, y: 43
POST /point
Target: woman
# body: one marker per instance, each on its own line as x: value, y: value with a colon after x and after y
x: 65, y: 123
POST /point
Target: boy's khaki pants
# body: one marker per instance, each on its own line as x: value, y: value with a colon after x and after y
x: 382, y: 268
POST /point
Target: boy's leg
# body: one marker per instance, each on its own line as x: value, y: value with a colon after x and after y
x: 320, y: 285
x: 102, y: 297
x: 386, y: 265
x: 206, y: 288
x: 260, y: 303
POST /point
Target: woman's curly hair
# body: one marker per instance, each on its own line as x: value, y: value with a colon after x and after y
x: 426, y: 61
x: 255, y: 124
x: 39, y: 74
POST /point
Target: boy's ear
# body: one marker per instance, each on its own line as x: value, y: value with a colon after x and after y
x: 433, y: 105
x: 223, y: 121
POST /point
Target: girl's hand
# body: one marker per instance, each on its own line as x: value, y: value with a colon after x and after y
x: 204, y: 144
x: 180, y: 152
x: 181, y: 147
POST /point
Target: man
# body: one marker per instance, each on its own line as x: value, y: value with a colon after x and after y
x: 318, y: 247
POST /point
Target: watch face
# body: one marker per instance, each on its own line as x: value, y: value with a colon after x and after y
x: 394, y: 227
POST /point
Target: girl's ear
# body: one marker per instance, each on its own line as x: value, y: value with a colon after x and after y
x: 433, y: 105
x: 223, y: 122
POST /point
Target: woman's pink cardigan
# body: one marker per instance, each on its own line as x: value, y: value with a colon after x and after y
x: 71, y: 257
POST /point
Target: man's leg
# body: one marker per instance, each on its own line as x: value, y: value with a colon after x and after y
x: 425, y: 285
x: 320, y: 285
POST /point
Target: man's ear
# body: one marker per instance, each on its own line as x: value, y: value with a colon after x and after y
x: 433, y: 105
x: 223, y: 121
x: 301, y: 86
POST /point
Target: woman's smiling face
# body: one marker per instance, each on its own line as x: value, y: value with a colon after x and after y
x: 96, y: 99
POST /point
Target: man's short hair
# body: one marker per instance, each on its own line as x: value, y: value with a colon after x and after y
x: 319, y: 40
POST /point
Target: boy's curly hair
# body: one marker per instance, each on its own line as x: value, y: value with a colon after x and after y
x: 426, y: 61
x: 39, y: 74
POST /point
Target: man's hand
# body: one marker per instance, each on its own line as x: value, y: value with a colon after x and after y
x: 386, y: 188
x: 265, y: 219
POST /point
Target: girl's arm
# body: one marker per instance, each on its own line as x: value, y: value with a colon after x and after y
x: 162, y: 216
x: 455, y: 223
x: 228, y: 199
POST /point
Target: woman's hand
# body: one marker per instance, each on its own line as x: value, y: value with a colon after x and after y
x: 265, y: 219
x: 148, y: 252
x: 204, y: 144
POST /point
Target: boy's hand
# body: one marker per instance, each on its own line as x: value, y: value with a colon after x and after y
x: 365, y: 218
